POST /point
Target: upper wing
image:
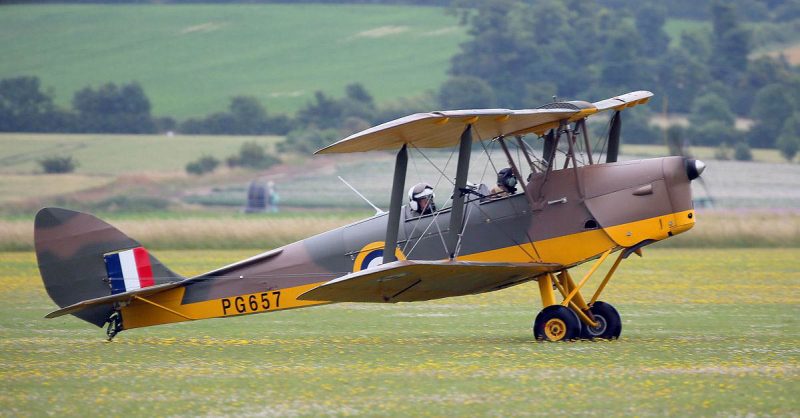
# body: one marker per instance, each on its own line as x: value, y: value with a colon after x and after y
x: 409, y: 281
x: 443, y: 129
x: 624, y: 101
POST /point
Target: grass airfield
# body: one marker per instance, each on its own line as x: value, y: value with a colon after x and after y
x: 706, y: 332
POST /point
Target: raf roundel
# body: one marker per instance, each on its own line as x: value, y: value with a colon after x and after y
x: 371, y: 255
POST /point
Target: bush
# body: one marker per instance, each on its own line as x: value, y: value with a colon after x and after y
x: 203, y: 165
x: 789, y: 140
x: 788, y: 146
x: 711, y: 107
x: 741, y: 152
x: 252, y: 155
x: 466, y: 92
x: 58, y: 165
x: 114, y: 109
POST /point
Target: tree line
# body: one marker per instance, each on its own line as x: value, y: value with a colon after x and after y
x: 109, y: 108
x: 523, y: 52
x: 125, y: 108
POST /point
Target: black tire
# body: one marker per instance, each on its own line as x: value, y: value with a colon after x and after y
x: 556, y: 323
x: 610, y: 324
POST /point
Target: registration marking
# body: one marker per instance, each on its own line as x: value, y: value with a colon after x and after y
x: 259, y: 302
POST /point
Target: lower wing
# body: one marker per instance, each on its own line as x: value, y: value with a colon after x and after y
x: 417, y: 280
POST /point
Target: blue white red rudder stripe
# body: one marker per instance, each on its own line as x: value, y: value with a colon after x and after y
x: 129, y: 270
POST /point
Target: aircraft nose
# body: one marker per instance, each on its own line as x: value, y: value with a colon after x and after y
x: 694, y: 168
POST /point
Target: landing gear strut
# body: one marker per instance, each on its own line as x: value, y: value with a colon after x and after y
x: 574, y: 317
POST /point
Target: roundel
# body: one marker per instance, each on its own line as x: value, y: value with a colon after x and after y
x: 371, y: 255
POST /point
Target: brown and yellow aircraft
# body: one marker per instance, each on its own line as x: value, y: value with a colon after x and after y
x: 570, y: 210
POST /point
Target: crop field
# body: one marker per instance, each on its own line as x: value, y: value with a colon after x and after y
x: 191, y: 59
x: 705, y: 332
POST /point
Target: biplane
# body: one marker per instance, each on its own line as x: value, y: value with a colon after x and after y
x: 573, y: 208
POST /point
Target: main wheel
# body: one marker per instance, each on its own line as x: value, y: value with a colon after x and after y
x: 609, y: 324
x: 556, y: 323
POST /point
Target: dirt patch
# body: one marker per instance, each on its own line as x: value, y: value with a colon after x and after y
x: 204, y: 27
x: 382, y: 31
x: 296, y: 93
x: 441, y: 32
x: 792, y: 54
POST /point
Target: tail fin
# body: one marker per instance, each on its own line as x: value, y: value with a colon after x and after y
x: 81, y: 257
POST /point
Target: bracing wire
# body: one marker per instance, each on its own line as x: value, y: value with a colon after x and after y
x: 436, y: 215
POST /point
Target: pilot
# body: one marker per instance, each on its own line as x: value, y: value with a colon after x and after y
x: 506, y: 184
x: 420, y: 199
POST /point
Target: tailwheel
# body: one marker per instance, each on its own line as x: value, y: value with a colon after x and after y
x: 114, y: 325
x: 609, y: 324
x: 556, y: 323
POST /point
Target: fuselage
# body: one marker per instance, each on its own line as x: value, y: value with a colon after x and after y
x: 576, y: 214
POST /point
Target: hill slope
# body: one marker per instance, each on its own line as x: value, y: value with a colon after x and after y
x: 191, y: 59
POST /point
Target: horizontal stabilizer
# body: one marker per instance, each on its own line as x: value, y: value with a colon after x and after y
x: 416, y: 280
x: 119, y: 297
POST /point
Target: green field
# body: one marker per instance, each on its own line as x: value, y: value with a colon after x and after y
x: 114, y: 155
x: 706, y: 332
x: 191, y: 59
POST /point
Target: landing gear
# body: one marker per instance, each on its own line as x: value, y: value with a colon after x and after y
x: 609, y: 324
x: 557, y: 323
x: 577, y: 317
x: 114, y: 325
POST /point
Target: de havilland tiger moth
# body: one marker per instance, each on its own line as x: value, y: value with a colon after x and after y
x: 571, y: 209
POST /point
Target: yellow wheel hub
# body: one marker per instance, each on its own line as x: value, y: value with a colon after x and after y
x: 555, y: 329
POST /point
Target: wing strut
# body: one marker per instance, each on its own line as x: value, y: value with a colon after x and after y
x: 462, y: 169
x: 396, y: 203
x: 514, y: 169
x: 613, y: 137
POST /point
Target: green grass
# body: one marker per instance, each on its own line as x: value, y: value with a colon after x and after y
x: 191, y: 59
x: 104, y: 154
x: 705, y: 332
